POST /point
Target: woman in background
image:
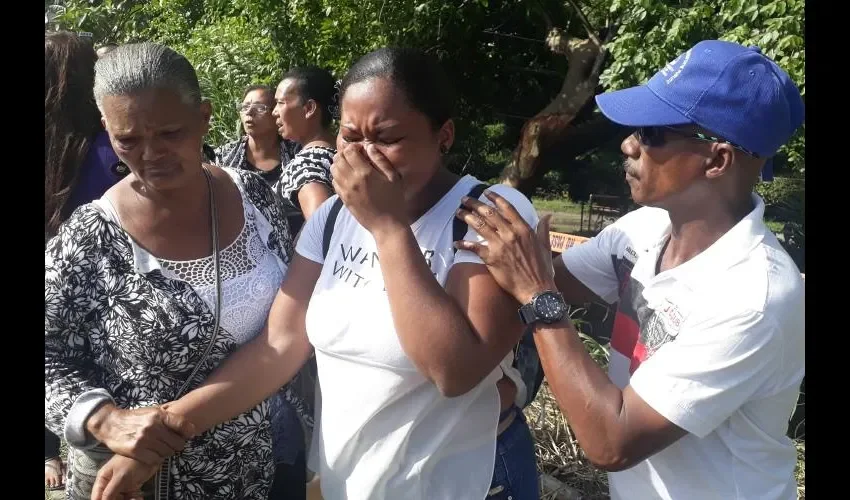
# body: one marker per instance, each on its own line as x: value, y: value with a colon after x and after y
x: 305, y: 106
x: 260, y: 149
x: 306, y: 103
x: 79, y: 163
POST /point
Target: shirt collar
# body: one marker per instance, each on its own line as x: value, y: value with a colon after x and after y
x: 731, y: 248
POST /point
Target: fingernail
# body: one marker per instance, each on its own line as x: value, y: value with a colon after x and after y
x: 465, y: 199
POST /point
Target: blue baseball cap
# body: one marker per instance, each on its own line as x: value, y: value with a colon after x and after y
x: 733, y: 91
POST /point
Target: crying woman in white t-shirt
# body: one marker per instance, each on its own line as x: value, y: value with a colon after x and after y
x: 417, y: 393
x: 409, y: 365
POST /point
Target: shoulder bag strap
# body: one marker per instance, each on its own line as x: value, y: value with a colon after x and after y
x: 329, y: 226
x: 163, y: 478
x: 459, y: 227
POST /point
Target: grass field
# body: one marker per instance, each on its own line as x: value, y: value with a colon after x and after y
x: 566, y: 215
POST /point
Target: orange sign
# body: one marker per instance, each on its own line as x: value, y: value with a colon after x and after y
x: 562, y: 241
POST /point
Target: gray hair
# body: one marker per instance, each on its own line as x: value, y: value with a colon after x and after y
x: 137, y: 67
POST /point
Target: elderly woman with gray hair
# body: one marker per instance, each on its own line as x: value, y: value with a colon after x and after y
x: 149, y: 288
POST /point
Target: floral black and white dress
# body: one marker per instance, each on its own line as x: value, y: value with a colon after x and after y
x: 124, y: 325
x: 311, y: 164
x: 234, y: 154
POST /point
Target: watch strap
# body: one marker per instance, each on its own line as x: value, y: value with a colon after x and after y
x: 527, y: 314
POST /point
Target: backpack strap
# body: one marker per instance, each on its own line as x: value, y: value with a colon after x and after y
x: 329, y: 226
x: 459, y: 227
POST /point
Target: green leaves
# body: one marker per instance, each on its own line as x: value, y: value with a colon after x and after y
x: 654, y: 32
x: 493, y: 50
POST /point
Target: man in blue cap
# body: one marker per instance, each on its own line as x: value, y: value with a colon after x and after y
x: 707, y: 349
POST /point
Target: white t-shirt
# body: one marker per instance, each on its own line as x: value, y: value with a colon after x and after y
x: 715, y: 345
x: 384, y: 431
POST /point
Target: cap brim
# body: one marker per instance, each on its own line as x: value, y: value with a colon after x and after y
x: 638, y: 107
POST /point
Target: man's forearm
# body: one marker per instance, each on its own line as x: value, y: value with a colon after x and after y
x: 591, y: 403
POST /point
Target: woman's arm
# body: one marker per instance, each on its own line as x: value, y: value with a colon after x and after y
x: 311, y: 196
x: 306, y: 180
x: 455, y: 335
x: 263, y: 365
x: 76, y: 404
x: 70, y: 262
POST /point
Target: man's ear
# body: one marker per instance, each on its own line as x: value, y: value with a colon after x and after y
x: 720, y: 161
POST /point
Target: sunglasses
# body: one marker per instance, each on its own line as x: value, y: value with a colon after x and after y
x: 653, y: 137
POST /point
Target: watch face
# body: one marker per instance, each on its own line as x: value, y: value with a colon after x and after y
x: 550, y: 306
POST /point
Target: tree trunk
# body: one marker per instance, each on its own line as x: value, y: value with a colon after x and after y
x: 573, y: 141
x: 544, y: 134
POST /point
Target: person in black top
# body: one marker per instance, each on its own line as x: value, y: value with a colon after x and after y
x: 260, y: 149
x: 306, y: 103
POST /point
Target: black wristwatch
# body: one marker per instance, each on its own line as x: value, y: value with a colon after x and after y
x: 547, y: 307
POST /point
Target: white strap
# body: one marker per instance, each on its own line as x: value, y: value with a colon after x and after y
x: 108, y: 209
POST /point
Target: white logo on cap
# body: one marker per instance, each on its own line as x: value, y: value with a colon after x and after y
x: 671, y: 67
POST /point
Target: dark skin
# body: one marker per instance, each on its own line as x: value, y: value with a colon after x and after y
x: 705, y: 187
x: 300, y: 120
x: 263, y: 142
x: 389, y: 172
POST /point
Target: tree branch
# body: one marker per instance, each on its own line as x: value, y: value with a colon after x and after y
x: 591, y: 33
x: 603, y: 52
x: 542, y: 12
